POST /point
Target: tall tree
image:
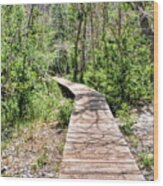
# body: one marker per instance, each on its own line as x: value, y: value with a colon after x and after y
x: 80, y: 21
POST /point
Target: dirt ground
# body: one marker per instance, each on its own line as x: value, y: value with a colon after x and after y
x: 34, y: 152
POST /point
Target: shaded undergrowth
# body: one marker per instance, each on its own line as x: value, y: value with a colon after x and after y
x: 39, y: 138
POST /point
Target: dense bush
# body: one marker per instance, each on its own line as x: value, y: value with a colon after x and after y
x: 64, y: 113
x: 108, y: 46
x: 28, y: 93
x: 44, y: 102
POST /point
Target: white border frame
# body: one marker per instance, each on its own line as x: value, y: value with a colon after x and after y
x: 47, y: 182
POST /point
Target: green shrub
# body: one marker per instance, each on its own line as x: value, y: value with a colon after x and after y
x: 40, y: 162
x: 146, y: 160
x: 126, y: 118
x: 43, y: 103
x: 64, y: 113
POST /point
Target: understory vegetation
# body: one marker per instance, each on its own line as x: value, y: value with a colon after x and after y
x: 28, y: 92
x: 107, y: 46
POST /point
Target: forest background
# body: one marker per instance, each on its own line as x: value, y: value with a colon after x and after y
x: 107, y: 46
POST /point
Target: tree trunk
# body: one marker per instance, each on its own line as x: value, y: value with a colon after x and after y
x: 144, y: 23
x: 76, y: 46
x: 83, y: 62
x: 92, y: 39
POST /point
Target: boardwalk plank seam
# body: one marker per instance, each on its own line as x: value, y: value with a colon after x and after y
x: 95, y: 147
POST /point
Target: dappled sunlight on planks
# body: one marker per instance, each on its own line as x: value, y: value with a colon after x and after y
x: 95, y: 148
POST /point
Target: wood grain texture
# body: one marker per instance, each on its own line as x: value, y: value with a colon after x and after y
x: 95, y: 148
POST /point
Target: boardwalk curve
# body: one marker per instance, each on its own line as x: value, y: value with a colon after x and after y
x: 95, y: 148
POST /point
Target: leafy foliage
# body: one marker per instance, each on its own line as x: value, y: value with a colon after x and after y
x: 126, y: 118
x: 146, y: 160
x: 65, y: 112
x: 40, y: 162
x: 27, y: 92
x: 108, y: 46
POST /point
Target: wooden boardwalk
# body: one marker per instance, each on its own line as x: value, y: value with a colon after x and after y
x: 95, y: 148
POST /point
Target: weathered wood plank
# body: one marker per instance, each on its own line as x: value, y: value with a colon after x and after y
x: 95, y: 148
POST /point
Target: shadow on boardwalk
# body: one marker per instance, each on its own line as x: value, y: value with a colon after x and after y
x: 95, y: 147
